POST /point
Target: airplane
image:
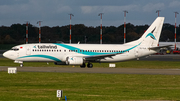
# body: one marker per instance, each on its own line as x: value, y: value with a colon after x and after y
x: 82, y: 54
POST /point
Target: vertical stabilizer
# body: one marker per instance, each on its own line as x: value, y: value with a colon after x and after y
x: 152, y: 35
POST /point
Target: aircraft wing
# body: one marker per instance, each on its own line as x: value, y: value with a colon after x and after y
x: 160, y: 47
x: 96, y: 57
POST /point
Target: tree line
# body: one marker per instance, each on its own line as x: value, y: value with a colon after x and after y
x: 16, y: 33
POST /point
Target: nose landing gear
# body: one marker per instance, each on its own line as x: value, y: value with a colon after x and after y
x: 21, y: 63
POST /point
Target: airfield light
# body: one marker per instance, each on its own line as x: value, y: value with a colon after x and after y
x: 158, y: 12
x: 39, y: 22
x: 175, y: 29
x: 100, y: 14
x: 70, y: 28
x: 125, y: 26
x: 27, y: 32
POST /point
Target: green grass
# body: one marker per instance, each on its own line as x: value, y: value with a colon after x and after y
x: 28, y: 86
x: 37, y: 86
x: 126, y: 64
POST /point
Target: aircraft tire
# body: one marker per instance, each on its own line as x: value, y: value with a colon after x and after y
x: 21, y: 65
x: 89, y: 65
x: 83, y: 65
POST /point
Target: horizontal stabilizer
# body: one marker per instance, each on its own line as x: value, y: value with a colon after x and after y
x: 160, y: 47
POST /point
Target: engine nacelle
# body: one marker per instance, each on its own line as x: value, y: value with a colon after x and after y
x: 59, y: 63
x: 74, y: 60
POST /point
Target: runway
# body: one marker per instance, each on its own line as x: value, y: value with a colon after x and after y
x: 167, y: 57
x: 108, y: 70
x: 97, y: 70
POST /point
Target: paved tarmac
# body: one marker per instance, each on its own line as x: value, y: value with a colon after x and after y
x: 108, y: 70
x: 167, y: 57
x: 97, y: 70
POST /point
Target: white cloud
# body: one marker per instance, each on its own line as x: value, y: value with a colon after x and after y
x: 92, y: 9
x: 153, y: 7
x: 174, y: 4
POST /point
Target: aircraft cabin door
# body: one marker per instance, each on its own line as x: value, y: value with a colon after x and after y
x: 28, y: 50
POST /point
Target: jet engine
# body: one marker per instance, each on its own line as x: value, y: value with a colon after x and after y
x: 74, y: 60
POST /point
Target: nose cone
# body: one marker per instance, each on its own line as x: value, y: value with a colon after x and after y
x: 8, y: 55
x: 5, y: 54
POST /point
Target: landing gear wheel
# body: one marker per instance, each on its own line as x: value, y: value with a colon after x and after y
x: 21, y: 65
x: 83, y: 65
x: 89, y: 65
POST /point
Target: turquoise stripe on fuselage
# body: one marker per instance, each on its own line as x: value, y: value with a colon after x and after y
x: 92, y: 53
x: 42, y: 56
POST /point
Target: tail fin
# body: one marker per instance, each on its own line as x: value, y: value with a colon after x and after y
x: 151, y: 36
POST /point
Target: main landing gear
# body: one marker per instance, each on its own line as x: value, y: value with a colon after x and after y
x: 89, y: 65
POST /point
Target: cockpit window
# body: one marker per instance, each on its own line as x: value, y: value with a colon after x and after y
x: 15, y: 49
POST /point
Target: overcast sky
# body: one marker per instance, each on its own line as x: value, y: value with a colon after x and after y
x: 55, y: 12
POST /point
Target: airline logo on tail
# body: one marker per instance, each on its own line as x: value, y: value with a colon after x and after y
x: 151, y: 34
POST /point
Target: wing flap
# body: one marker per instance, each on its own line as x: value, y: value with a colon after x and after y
x: 96, y: 57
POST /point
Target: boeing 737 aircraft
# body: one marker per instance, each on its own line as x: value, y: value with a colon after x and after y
x: 80, y: 54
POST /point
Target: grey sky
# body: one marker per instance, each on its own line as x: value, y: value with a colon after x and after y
x: 55, y: 12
